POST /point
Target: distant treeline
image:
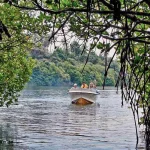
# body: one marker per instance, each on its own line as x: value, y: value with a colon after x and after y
x: 65, y: 68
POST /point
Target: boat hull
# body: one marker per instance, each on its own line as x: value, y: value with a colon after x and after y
x: 81, y: 101
x: 82, y: 96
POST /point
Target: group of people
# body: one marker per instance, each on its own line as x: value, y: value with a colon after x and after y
x: 85, y: 86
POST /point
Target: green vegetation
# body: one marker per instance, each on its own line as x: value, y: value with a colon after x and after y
x: 15, y: 63
x: 61, y: 68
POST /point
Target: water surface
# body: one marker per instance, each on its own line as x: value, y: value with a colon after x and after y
x: 45, y: 119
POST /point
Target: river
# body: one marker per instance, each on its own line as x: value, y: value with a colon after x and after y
x: 45, y: 119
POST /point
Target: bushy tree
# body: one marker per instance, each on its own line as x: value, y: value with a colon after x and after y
x: 15, y: 63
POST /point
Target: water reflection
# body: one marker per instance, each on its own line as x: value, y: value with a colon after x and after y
x: 45, y: 119
x: 8, y: 137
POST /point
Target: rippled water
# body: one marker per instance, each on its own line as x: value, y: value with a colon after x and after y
x: 45, y: 119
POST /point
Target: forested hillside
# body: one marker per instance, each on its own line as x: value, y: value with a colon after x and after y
x: 62, y: 68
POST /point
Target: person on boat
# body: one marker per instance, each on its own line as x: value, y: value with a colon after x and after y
x: 94, y: 82
x: 84, y: 85
x: 91, y: 85
x: 74, y: 86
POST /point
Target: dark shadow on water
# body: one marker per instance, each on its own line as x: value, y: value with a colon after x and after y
x: 8, y: 137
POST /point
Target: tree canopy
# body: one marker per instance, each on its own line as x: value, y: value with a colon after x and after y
x: 60, y: 68
x: 116, y: 24
x: 15, y: 63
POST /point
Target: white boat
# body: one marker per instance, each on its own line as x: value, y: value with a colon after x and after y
x: 83, y: 96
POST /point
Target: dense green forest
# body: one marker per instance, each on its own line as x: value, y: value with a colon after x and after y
x: 62, y: 68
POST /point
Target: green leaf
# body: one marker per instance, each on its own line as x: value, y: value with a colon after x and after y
x: 100, y: 46
x: 49, y: 2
